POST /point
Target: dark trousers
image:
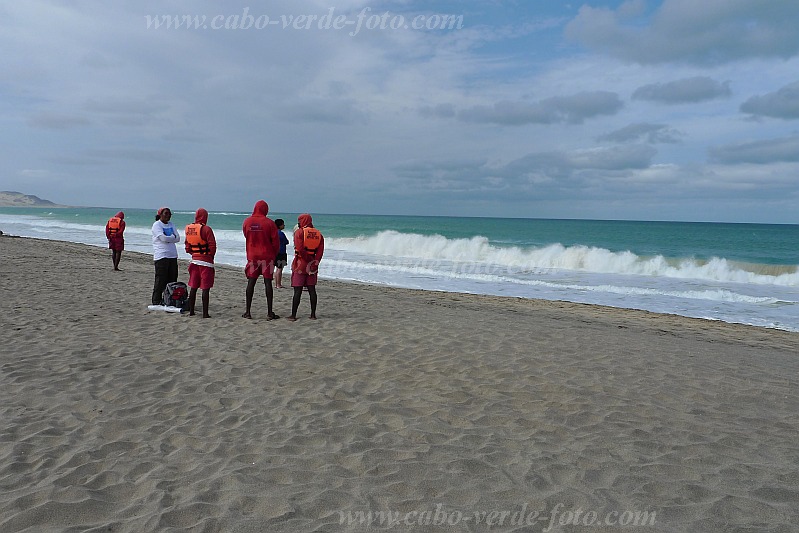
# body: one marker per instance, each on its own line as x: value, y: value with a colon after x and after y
x: 166, y: 271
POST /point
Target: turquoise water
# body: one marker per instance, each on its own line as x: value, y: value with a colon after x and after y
x: 734, y: 272
x: 769, y: 244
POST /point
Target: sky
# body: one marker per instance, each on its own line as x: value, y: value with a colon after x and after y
x: 641, y: 110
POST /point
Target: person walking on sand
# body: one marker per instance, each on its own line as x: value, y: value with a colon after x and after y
x: 262, y: 245
x: 201, y: 244
x: 309, y: 246
x: 115, y: 233
x: 282, y: 257
x: 165, y: 253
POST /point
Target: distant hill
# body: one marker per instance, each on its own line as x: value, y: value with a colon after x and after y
x: 17, y: 199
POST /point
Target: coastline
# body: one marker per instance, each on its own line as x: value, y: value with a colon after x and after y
x: 394, y: 400
x: 757, y: 287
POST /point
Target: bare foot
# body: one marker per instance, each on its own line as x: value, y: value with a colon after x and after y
x: 272, y: 316
x: 312, y: 317
x: 291, y: 318
x: 191, y: 313
x: 118, y: 270
x: 206, y: 316
x: 246, y: 315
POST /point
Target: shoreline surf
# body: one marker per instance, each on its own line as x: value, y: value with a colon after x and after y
x: 432, y: 253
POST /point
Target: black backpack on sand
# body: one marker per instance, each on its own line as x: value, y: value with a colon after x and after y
x: 176, y: 294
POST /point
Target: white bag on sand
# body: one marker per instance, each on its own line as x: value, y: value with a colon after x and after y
x: 167, y: 308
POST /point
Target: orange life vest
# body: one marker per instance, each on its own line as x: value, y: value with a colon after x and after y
x: 312, y: 238
x: 114, y: 225
x: 194, y: 240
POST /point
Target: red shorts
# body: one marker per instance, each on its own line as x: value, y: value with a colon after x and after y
x: 301, y: 279
x: 259, y: 267
x: 116, y: 243
x: 200, y: 277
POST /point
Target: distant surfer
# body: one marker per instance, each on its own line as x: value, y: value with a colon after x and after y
x: 115, y: 233
x: 309, y: 246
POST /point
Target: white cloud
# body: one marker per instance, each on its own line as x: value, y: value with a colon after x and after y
x: 783, y: 103
x: 687, y: 90
x: 760, y: 152
x: 505, y: 112
x: 573, y: 109
x: 708, y: 32
x: 651, y: 133
x: 34, y: 173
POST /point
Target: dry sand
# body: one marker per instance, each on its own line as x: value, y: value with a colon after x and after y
x: 423, y: 405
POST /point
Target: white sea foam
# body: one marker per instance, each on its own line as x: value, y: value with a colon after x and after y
x: 214, y: 213
x: 717, y: 289
x: 556, y: 256
x: 349, y: 270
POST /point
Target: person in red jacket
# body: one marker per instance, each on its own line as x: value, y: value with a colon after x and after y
x: 309, y: 246
x: 262, y: 244
x: 114, y: 232
x: 201, y: 244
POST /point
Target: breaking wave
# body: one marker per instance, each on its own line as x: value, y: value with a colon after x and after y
x: 581, y: 258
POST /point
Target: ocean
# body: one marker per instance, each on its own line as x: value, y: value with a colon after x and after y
x: 740, y: 273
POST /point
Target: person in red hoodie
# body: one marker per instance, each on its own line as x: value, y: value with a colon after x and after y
x: 263, y: 244
x: 201, y: 244
x: 114, y: 232
x: 309, y: 246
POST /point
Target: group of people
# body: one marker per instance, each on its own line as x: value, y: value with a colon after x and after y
x: 265, y: 248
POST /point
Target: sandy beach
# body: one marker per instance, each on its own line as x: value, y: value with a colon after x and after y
x: 397, y: 409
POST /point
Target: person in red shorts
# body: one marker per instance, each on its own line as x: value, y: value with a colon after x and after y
x: 114, y: 232
x: 309, y: 246
x: 262, y: 244
x: 201, y: 244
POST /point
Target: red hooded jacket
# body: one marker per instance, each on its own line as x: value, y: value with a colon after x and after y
x: 305, y: 261
x: 119, y: 237
x: 261, y: 234
x: 206, y: 234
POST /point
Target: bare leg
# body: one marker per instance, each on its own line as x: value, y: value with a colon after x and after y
x: 312, y: 294
x: 279, y: 278
x: 116, y: 255
x: 206, y: 300
x: 269, y: 298
x: 192, y: 300
x: 250, y: 292
x: 295, y: 303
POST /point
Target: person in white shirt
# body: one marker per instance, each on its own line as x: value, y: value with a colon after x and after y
x: 165, y: 253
